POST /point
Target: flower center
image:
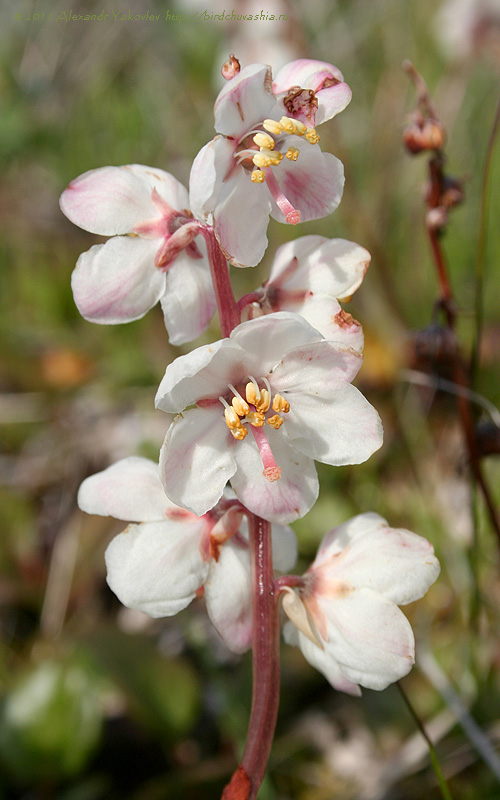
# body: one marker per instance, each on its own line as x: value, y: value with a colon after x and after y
x: 255, y: 409
x: 265, y: 152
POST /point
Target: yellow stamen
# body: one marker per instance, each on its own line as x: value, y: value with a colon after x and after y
x: 280, y: 404
x: 238, y: 402
x: 292, y: 153
x: 290, y: 125
x: 266, y: 158
x: 252, y: 393
x: 255, y: 418
x: 240, y: 406
x: 263, y: 403
x: 287, y: 124
x: 240, y: 432
x: 232, y: 418
x: 312, y: 136
x: 300, y: 128
x: 272, y: 126
x: 257, y: 176
x: 263, y: 140
x: 275, y: 421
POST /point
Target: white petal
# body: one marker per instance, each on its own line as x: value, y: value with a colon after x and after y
x: 279, y: 501
x: 228, y: 597
x: 168, y: 187
x: 156, y: 567
x: 241, y: 218
x: 202, y: 373
x: 397, y: 563
x: 209, y: 169
x: 326, y: 266
x: 341, y: 429
x: 321, y: 660
x: 313, y: 184
x: 189, y: 300
x: 315, y: 369
x: 197, y: 459
x: 244, y: 101
x: 108, y: 201
x: 284, y: 544
x: 345, y: 535
x: 267, y: 338
x: 117, y: 281
x: 369, y: 637
x: 326, y: 315
x: 129, y: 490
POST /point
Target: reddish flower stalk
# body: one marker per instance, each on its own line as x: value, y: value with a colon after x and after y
x: 229, y: 315
x: 246, y: 781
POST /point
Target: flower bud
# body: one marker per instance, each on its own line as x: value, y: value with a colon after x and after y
x: 230, y: 68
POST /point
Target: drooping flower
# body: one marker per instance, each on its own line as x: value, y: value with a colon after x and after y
x: 309, y: 276
x: 345, y: 616
x: 168, y: 556
x: 152, y: 255
x: 265, y: 162
x: 257, y: 408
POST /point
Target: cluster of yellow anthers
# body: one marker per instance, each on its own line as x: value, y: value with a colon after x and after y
x: 267, y: 156
x: 253, y: 410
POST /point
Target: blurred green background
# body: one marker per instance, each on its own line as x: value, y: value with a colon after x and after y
x: 97, y: 701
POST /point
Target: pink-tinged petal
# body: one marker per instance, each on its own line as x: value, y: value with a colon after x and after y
x: 169, y: 188
x: 108, y: 201
x: 315, y: 369
x: 244, y: 101
x: 313, y: 184
x: 331, y: 101
x: 368, y: 636
x: 156, y: 567
x: 280, y: 501
x: 340, y: 429
x: 130, y: 490
x: 335, y: 324
x: 322, y: 660
x: 189, y: 300
x: 323, y: 266
x: 265, y: 339
x: 228, y: 597
x: 305, y: 72
x: 241, y: 219
x: 202, y: 373
x: 326, y: 81
x: 117, y: 281
x: 345, y: 535
x: 210, y: 167
x: 197, y: 459
x: 396, y: 563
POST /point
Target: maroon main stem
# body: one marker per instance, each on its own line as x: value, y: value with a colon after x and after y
x: 265, y: 655
x: 229, y: 315
x: 247, y: 779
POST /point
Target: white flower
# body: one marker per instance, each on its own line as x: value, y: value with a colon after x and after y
x: 277, y: 380
x: 346, y: 618
x: 170, y: 556
x: 265, y: 161
x: 152, y: 255
x: 310, y: 275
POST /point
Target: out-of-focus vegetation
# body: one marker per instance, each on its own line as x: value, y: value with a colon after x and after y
x: 101, y: 702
